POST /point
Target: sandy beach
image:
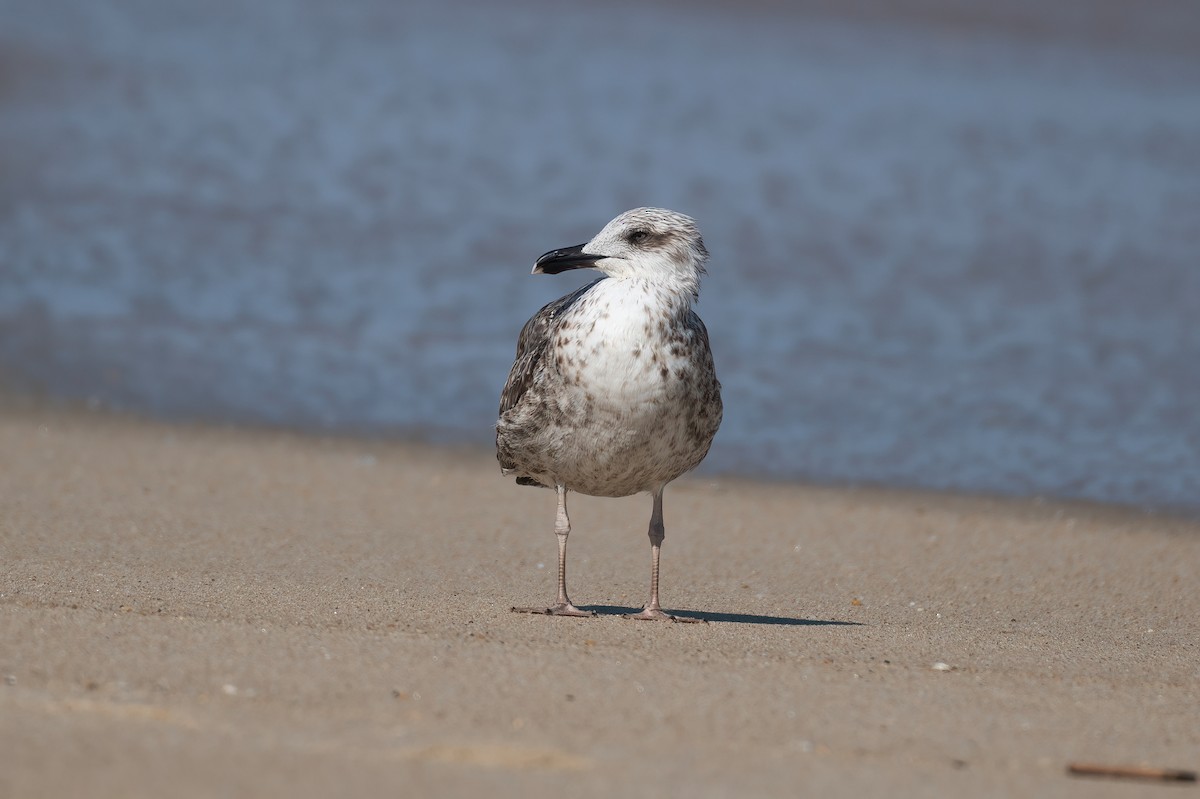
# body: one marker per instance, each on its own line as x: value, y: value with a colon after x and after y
x: 193, y: 610
x: 953, y: 250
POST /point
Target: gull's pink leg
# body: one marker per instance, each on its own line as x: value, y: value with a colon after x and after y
x: 562, y: 528
x: 653, y: 610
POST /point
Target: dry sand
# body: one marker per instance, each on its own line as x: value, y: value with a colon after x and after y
x: 192, y: 611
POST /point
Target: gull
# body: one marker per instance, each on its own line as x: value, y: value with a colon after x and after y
x: 613, y: 391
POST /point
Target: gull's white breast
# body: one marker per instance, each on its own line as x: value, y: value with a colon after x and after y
x: 632, y: 385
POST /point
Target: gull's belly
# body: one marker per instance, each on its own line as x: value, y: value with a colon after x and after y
x: 633, y: 416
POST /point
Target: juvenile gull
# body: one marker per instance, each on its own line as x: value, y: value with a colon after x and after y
x: 613, y: 391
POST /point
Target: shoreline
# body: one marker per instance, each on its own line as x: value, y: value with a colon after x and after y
x: 415, y: 445
x: 205, y: 609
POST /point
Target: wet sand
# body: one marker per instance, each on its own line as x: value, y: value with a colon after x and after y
x: 194, y: 610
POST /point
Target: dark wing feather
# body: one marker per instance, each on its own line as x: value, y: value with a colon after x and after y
x: 696, y: 323
x: 532, y: 344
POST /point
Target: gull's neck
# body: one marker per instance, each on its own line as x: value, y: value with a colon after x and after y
x: 668, y: 285
x: 670, y: 295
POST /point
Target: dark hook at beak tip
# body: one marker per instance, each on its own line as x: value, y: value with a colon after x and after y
x: 556, y: 261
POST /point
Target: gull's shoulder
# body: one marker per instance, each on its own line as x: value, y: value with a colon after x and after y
x: 532, y: 344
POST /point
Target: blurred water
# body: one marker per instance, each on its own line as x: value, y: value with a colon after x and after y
x: 943, y: 255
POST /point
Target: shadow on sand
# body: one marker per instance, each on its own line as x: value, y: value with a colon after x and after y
x: 729, y: 618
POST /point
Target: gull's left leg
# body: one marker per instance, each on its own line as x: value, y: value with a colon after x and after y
x: 652, y: 609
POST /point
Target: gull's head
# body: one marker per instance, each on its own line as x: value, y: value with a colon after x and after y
x: 652, y: 244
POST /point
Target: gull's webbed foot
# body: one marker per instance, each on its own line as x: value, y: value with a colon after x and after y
x: 561, y: 609
x: 657, y: 614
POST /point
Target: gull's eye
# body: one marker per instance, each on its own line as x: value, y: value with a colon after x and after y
x: 638, y: 236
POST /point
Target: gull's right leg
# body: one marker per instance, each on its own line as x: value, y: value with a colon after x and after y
x: 562, y: 528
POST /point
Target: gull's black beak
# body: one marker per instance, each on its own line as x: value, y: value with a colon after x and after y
x: 557, y: 261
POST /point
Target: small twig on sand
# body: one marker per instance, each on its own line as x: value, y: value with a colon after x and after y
x: 1131, y: 772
